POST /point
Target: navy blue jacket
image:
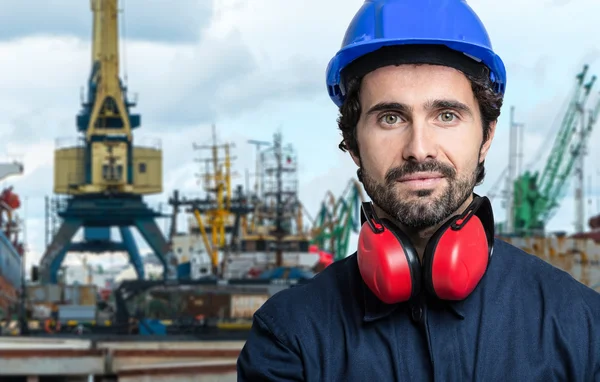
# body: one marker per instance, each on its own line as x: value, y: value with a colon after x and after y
x: 525, y: 321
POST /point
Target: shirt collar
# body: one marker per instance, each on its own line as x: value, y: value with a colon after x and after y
x: 375, y: 309
x: 458, y: 307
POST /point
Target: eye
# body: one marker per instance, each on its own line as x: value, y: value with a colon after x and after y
x: 447, y: 117
x: 390, y: 119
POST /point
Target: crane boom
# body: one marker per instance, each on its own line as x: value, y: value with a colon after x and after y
x: 107, y: 107
x: 337, y: 219
x: 556, y: 188
x: 539, y: 196
x: 577, y: 150
x: 563, y: 137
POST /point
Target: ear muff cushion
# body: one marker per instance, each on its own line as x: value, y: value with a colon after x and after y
x: 385, y: 265
x: 459, y: 260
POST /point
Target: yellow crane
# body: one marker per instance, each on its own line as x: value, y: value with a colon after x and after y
x: 216, y: 182
x: 105, y: 175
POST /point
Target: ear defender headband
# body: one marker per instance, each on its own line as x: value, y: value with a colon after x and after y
x: 454, y: 261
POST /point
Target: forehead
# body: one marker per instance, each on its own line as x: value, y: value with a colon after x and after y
x: 415, y: 85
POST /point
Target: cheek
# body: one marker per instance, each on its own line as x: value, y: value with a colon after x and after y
x: 376, y: 154
x: 374, y: 165
x: 463, y: 152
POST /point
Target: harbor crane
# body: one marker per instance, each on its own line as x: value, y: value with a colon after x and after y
x: 105, y: 176
x: 537, y: 195
x: 337, y: 219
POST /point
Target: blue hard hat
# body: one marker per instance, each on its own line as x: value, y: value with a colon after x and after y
x: 383, y: 23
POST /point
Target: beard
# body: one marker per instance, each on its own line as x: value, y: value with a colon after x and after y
x: 427, y: 210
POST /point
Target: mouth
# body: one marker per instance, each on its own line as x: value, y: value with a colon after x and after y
x: 421, y: 179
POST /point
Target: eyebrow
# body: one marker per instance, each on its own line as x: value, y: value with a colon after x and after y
x: 429, y: 105
x: 448, y: 104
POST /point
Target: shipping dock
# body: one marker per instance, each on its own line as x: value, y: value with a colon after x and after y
x: 88, y: 360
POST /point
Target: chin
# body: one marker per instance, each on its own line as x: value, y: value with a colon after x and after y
x: 421, y: 193
x: 425, y: 193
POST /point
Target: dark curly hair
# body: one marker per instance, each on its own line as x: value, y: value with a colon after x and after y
x: 489, y: 102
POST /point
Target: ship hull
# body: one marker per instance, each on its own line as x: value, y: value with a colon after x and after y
x: 184, y: 270
x: 10, y: 274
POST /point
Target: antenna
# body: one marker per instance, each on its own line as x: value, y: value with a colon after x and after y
x: 25, y: 245
x: 258, y: 182
x: 515, y: 159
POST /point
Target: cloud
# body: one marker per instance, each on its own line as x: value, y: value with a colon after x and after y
x: 557, y: 3
x: 178, y: 86
x: 219, y: 78
x: 182, y: 22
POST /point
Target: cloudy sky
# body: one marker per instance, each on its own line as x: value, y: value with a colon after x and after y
x: 253, y: 67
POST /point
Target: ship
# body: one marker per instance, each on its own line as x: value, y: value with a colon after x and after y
x: 240, y: 246
x: 11, y: 245
x: 259, y: 234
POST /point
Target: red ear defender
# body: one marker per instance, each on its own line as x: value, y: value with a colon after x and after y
x: 454, y: 261
x: 458, y: 253
x: 387, y: 261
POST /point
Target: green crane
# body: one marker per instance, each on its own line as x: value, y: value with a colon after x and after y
x: 337, y: 219
x: 537, y: 196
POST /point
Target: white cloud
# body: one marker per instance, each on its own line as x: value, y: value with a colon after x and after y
x: 183, y: 21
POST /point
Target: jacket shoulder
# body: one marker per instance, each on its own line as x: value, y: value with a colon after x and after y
x: 312, y: 298
x: 288, y: 326
x: 530, y: 270
x: 570, y: 309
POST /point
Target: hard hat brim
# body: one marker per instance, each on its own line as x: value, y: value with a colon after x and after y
x: 349, y: 53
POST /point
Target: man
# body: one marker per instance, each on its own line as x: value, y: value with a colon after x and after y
x: 428, y: 296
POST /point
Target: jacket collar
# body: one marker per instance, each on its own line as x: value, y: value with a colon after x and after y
x: 375, y: 309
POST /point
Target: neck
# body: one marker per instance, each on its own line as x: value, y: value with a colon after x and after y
x: 420, y: 237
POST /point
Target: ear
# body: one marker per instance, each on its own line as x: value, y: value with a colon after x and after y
x: 486, y: 145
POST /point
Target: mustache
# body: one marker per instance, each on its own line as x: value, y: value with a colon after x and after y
x: 413, y: 167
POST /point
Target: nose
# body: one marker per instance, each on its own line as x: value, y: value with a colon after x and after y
x: 420, y: 144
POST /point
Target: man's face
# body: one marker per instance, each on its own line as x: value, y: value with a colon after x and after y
x: 420, y: 141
